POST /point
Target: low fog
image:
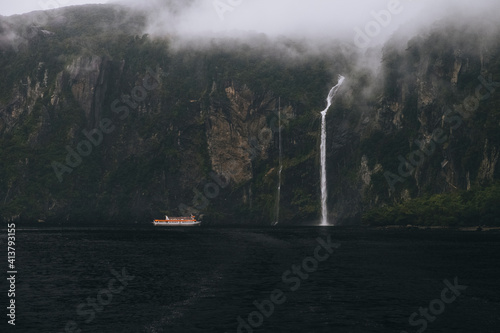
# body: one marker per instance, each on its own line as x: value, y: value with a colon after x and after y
x: 364, y: 23
x: 292, y: 29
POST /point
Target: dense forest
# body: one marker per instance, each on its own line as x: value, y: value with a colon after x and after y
x: 101, y: 122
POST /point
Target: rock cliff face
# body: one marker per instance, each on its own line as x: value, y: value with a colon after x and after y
x: 88, y: 77
x: 132, y: 129
x: 229, y: 131
x: 429, y: 131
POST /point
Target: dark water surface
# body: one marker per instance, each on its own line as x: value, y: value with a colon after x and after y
x: 202, y: 280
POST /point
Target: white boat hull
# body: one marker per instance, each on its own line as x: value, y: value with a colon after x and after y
x: 177, y: 224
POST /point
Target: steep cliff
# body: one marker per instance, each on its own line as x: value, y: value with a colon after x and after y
x: 102, y: 123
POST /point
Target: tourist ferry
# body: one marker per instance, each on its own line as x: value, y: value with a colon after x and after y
x: 177, y: 222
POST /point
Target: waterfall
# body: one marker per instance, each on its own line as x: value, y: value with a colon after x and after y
x: 324, y: 193
x: 280, y: 168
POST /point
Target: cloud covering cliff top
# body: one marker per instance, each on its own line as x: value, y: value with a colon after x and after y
x: 8, y: 8
x: 372, y: 19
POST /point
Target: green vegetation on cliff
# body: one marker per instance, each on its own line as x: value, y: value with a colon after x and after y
x: 215, y: 107
x: 477, y: 206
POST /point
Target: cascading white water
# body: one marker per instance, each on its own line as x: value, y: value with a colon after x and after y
x: 324, y: 194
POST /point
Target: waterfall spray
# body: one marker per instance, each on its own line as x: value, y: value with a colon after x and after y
x: 324, y: 193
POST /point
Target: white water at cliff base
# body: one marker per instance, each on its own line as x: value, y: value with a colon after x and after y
x: 324, y: 190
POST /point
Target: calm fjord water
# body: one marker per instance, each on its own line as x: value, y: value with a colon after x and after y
x: 203, y: 279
